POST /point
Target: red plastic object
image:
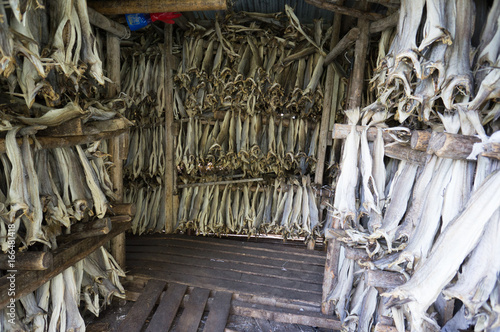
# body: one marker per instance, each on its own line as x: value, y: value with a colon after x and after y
x: 166, y: 17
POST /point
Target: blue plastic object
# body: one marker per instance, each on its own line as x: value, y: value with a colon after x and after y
x: 137, y: 21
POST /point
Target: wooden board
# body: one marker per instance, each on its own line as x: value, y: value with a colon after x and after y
x: 136, y: 317
x: 219, y: 312
x: 284, y: 315
x: 166, y: 311
x: 191, y: 316
x: 227, y: 255
x: 65, y: 256
x: 236, y: 286
x: 201, y: 262
x: 256, y: 244
x: 299, y: 286
x: 248, y: 252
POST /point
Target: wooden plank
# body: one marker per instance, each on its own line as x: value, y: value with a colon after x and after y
x: 276, y: 272
x: 170, y: 169
x: 299, y: 286
x: 325, y: 4
x: 217, y: 316
x: 331, y: 268
x: 226, y: 285
x: 384, y: 279
x: 85, y: 230
x: 340, y: 131
x: 229, y: 256
x: 283, y: 315
x: 118, y: 7
x: 402, y: 152
x: 108, y: 25
x: 136, y: 317
x: 29, y: 260
x: 65, y: 256
x: 191, y: 316
x: 346, y: 42
x: 256, y: 244
x: 251, y: 252
x: 454, y: 146
x: 167, y: 310
x: 128, y: 209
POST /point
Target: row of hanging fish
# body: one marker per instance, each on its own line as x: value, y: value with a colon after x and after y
x: 252, y: 63
x: 288, y: 209
x: 146, y: 156
x: 48, y: 50
x: 424, y: 223
x: 419, y: 72
x: 143, y: 82
x: 150, y: 205
x: 248, y: 144
x: 43, y: 190
x: 90, y: 285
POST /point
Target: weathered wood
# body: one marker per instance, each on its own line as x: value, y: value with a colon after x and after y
x: 97, y: 327
x: 384, y: 279
x: 223, y: 265
x: 191, y: 316
x: 453, y: 146
x: 356, y: 254
x: 357, y: 78
x: 108, y: 25
x: 283, y: 315
x: 385, y: 23
x: 96, y: 127
x: 403, y: 152
x: 83, y: 230
x: 340, y: 131
x: 65, y: 256
x: 118, y: 7
x: 27, y: 261
x: 491, y: 150
x: 346, y: 42
x: 420, y: 139
x: 170, y: 169
x: 136, y: 317
x: 217, y: 316
x: 69, y: 128
x: 330, y: 274
x: 128, y: 209
x: 325, y: 113
x: 385, y: 328
x: 124, y: 141
x: 345, y: 10
x: 166, y: 311
x: 213, y: 183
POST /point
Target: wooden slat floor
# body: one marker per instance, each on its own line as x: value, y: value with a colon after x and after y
x: 261, y: 280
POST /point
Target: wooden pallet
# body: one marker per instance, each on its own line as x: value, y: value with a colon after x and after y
x: 263, y: 280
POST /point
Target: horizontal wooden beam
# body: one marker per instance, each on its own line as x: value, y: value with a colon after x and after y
x: 345, y: 10
x: 27, y: 261
x: 118, y: 7
x: 403, y: 152
x: 384, y: 279
x: 65, y: 256
x: 340, y: 131
x: 108, y: 25
x: 343, y: 44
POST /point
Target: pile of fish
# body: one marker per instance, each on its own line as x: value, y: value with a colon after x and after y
x: 150, y: 204
x: 252, y: 63
x: 431, y: 227
x: 439, y: 68
x: 45, y: 191
x: 282, y: 208
x: 55, y: 305
x: 48, y: 50
x: 146, y: 155
x: 248, y: 144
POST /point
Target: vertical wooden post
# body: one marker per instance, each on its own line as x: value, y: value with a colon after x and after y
x: 113, y: 68
x: 169, y: 134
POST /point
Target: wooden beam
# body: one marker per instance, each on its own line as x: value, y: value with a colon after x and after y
x: 170, y: 169
x: 118, y: 7
x: 340, y: 131
x: 330, y: 275
x: 108, y: 25
x: 492, y: 150
x: 213, y: 183
x: 360, y: 14
x: 128, y: 209
x: 385, y: 23
x: 346, y: 42
x: 384, y: 279
x: 113, y: 69
x: 403, y: 152
x: 27, y: 261
x: 358, y: 72
x: 65, y: 256
x: 85, y: 230
x: 420, y: 139
x: 454, y: 146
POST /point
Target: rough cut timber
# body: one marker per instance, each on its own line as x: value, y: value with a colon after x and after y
x: 108, y: 25
x: 345, y: 10
x: 117, y: 7
x: 30, y: 260
x: 454, y: 146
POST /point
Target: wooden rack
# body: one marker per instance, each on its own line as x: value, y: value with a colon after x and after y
x: 65, y: 256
